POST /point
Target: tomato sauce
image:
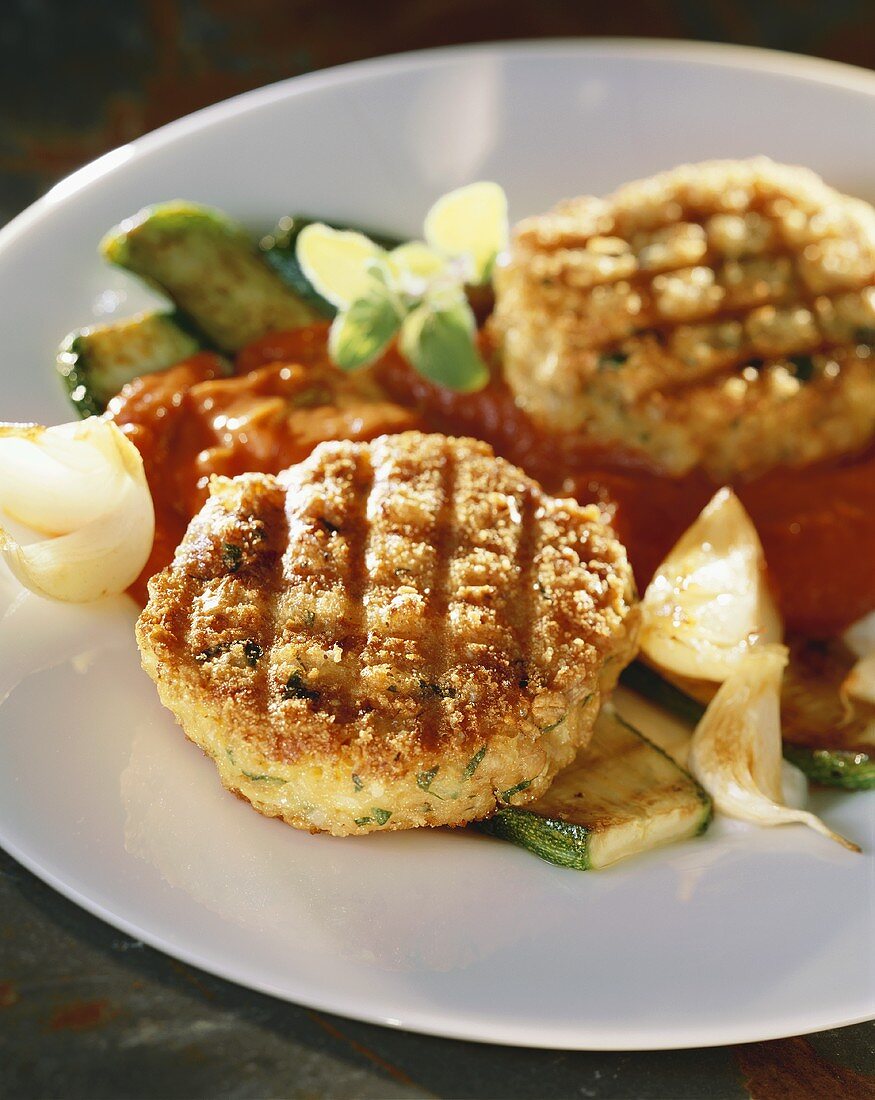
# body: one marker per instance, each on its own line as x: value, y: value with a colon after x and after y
x: 817, y: 524
x: 190, y: 423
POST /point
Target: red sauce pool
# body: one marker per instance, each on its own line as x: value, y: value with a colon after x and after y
x: 817, y: 524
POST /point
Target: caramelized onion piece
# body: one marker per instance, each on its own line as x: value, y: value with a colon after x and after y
x: 736, y: 748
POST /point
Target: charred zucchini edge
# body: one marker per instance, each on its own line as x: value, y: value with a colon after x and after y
x: 207, y: 265
x: 95, y: 362
x: 568, y: 843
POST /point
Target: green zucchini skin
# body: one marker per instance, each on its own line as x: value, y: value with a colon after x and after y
x: 642, y: 679
x: 847, y: 766
x: 561, y: 843
x: 207, y: 265
x: 279, y: 249
x: 622, y: 796
x: 852, y: 771
x: 95, y: 362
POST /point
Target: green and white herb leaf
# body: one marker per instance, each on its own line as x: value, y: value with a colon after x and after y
x: 361, y: 333
x: 438, y: 340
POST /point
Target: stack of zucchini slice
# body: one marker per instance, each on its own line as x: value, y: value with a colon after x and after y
x: 226, y: 291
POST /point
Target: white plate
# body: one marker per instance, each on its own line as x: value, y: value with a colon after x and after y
x: 742, y: 935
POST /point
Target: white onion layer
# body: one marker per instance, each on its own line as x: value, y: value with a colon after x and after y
x: 736, y: 748
x: 860, y: 683
x: 83, y: 486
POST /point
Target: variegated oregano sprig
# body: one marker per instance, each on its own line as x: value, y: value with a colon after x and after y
x: 415, y: 291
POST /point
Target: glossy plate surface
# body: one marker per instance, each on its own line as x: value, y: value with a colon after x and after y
x: 742, y: 935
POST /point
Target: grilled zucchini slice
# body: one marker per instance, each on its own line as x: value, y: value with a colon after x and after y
x: 209, y: 268
x: 279, y: 249
x: 848, y: 768
x: 96, y: 362
x: 621, y: 796
x: 825, y: 742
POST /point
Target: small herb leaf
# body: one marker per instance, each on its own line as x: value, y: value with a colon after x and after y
x: 425, y: 779
x: 362, y: 332
x: 414, y: 262
x: 803, y: 367
x: 474, y: 763
x: 471, y: 222
x: 436, y: 691
x: 262, y: 778
x: 438, y: 340
x: 507, y: 795
x: 232, y: 556
x: 336, y: 261
x: 211, y: 652
x: 295, y: 688
x: 252, y: 652
x: 554, y: 725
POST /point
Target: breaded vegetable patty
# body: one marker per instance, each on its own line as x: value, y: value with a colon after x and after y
x: 719, y: 315
x: 390, y: 634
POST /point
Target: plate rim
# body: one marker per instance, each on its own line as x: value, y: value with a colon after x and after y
x: 478, y: 1031
x: 718, y: 55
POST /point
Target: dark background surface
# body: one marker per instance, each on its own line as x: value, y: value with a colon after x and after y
x: 78, y: 78
x: 84, y: 1010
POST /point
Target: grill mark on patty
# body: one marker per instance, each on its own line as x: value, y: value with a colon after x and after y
x: 649, y: 319
x: 624, y: 225
x: 264, y: 581
x: 360, y: 583
x: 677, y: 389
x: 439, y: 652
x: 524, y: 621
x: 343, y: 547
x: 235, y: 628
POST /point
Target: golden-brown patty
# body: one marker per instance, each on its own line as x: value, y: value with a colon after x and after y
x: 390, y: 634
x: 719, y: 315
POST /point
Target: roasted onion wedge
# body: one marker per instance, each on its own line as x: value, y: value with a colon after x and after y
x: 77, y: 498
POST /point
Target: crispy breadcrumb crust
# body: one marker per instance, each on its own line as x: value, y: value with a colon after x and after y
x: 719, y: 315
x: 390, y: 634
